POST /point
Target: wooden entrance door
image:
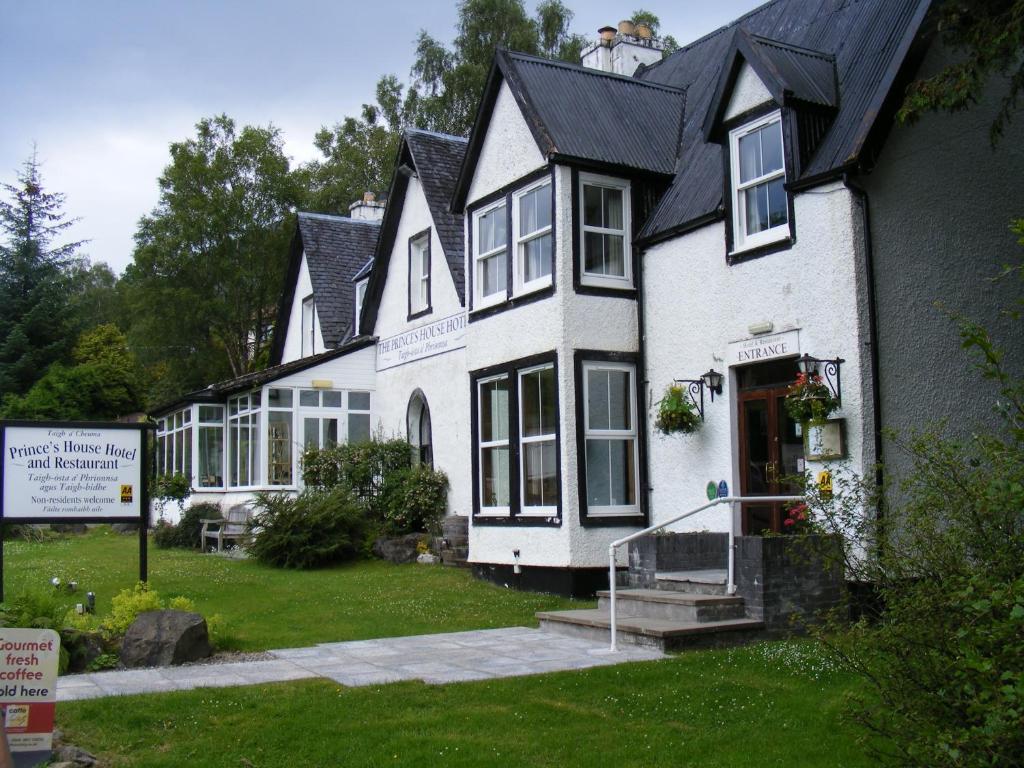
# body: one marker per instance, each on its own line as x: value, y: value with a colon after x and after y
x: 771, y: 444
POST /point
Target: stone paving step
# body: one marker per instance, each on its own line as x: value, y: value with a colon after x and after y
x: 706, y: 582
x: 662, y: 634
x: 672, y: 606
x: 435, y: 659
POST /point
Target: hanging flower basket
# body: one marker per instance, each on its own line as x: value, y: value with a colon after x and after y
x: 809, y: 400
x: 677, y: 412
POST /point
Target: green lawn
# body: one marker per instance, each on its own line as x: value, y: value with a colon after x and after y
x: 267, y: 608
x: 773, y: 704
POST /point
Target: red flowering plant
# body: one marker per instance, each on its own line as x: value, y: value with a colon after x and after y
x: 809, y: 399
x: 798, y: 519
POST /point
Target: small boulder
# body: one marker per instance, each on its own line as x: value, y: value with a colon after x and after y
x: 162, y: 638
x: 428, y: 559
x: 74, y: 756
x: 401, y: 549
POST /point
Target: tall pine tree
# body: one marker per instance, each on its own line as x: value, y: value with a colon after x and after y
x: 35, y: 326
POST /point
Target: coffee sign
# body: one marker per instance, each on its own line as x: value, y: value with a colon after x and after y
x: 762, y: 348
x: 28, y: 691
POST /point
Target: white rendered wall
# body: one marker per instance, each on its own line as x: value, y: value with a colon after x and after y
x: 293, y: 339
x: 748, y: 92
x: 696, y: 304
x: 443, y: 379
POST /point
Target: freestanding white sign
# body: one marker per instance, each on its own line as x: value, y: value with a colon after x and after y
x: 28, y: 691
x: 72, y: 471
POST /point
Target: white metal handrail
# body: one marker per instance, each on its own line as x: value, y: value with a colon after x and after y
x: 730, y: 585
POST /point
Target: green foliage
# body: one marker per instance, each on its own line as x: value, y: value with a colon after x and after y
x: 314, y: 529
x: 35, y: 324
x: 412, y: 501
x: 360, y: 466
x: 186, y: 534
x: 210, y: 258
x: 103, y: 385
x: 176, y: 488
x: 126, y: 606
x: 944, y: 659
x: 104, y: 661
x: 809, y: 399
x: 677, y: 412
x: 989, y: 36
x: 40, y: 609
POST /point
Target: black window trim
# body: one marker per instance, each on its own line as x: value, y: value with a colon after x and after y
x: 580, y: 357
x: 515, y: 516
x: 506, y: 192
x: 425, y: 234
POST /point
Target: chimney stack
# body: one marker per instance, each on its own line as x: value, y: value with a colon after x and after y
x: 367, y: 209
x: 624, y: 50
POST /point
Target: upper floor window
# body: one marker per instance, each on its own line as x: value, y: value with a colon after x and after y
x: 490, y: 250
x: 532, y: 217
x: 308, y: 326
x: 759, y: 202
x: 605, y: 235
x: 360, y: 298
x: 419, y: 275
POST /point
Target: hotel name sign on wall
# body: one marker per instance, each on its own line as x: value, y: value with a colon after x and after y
x: 761, y: 348
x: 436, y: 338
x: 72, y: 471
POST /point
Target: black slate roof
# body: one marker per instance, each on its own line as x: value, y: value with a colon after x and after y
x: 437, y: 159
x: 869, y: 41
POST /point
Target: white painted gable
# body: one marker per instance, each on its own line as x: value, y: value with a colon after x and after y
x: 747, y: 93
x: 293, y: 340
x: 509, y: 151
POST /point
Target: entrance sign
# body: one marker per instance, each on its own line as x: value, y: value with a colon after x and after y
x: 441, y: 336
x: 761, y: 348
x: 28, y: 691
x: 72, y: 472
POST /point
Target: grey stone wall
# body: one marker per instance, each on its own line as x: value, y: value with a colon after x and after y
x: 941, y: 201
x: 674, y: 552
x: 787, y: 581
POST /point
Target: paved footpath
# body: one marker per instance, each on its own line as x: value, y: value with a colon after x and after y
x: 478, y: 655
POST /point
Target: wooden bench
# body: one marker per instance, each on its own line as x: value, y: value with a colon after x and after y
x: 233, y: 528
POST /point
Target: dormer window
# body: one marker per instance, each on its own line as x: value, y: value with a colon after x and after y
x: 360, y: 298
x: 490, y: 251
x: 419, y: 275
x: 605, y: 236
x: 759, y: 201
x: 308, y: 327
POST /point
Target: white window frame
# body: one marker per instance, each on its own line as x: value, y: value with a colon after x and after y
x: 295, y: 446
x: 519, y: 241
x: 479, y: 300
x: 360, y: 298
x: 489, y: 511
x: 207, y: 424
x: 598, y: 280
x: 622, y: 510
x: 350, y: 411
x: 255, y: 457
x: 419, y: 274
x: 548, y: 510
x: 741, y: 240
x: 308, y: 328
x: 180, y: 422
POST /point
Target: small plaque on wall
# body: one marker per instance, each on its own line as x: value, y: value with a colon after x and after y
x: 824, y: 442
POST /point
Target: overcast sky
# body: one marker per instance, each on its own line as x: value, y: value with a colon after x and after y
x: 103, y: 87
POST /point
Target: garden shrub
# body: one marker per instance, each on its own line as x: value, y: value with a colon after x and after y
x: 43, y: 609
x: 413, y: 501
x: 126, y: 605
x: 360, y: 466
x: 166, y: 488
x: 186, y: 534
x: 316, y: 528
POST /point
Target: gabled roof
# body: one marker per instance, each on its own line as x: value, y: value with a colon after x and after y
x: 336, y: 248
x: 434, y: 158
x: 581, y: 115
x: 216, y: 393
x: 792, y: 75
x: 437, y: 159
x: 870, y: 41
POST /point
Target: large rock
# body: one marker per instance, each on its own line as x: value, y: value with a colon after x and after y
x: 160, y: 638
x: 401, y: 549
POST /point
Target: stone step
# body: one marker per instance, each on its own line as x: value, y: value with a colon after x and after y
x: 672, y: 606
x: 704, y: 582
x: 595, y: 624
x: 455, y: 558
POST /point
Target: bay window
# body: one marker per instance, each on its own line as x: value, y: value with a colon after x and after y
x: 490, y: 250
x: 211, y: 446
x: 532, y: 217
x: 758, y: 177
x: 538, y: 463
x: 279, y: 437
x: 174, y: 444
x: 494, y: 445
x: 244, y: 440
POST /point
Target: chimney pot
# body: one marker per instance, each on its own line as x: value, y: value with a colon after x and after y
x: 627, y: 27
x: 643, y: 31
x: 607, y: 34
x: 369, y: 197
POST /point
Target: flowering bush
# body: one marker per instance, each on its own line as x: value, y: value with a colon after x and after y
x: 810, y: 400
x: 798, y: 519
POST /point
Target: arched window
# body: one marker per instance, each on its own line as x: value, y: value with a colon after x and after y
x: 417, y: 420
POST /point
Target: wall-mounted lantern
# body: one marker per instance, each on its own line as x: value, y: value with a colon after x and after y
x: 712, y: 381
x: 830, y: 369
